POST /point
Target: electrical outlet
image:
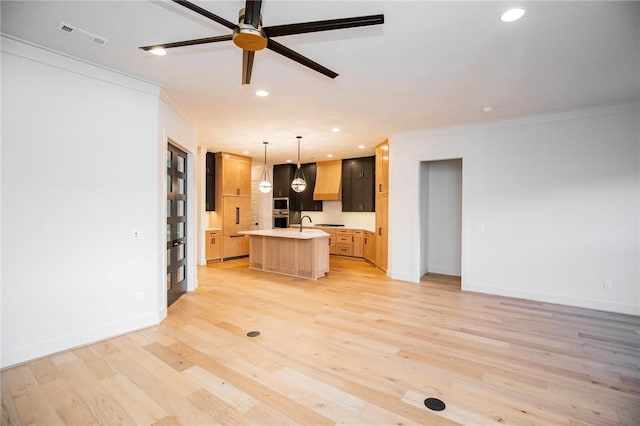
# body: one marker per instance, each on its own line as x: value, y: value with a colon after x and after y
x: 607, y: 285
x: 141, y: 296
x: 136, y: 234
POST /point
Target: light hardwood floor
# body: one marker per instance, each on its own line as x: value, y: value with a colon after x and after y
x: 352, y: 348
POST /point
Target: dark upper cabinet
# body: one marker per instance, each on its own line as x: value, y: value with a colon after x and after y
x: 358, y: 184
x: 305, y: 201
x: 282, y: 177
x: 210, y: 182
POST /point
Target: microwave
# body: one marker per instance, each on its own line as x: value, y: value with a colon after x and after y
x: 281, y: 203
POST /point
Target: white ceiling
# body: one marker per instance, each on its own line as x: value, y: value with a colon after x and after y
x: 431, y: 64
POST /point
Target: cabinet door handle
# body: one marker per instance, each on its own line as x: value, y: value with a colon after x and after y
x: 236, y: 236
x: 380, y: 231
x: 379, y: 187
x: 237, y: 215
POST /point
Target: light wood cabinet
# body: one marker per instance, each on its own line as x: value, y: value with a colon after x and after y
x: 332, y: 240
x: 236, y: 215
x: 344, y: 242
x: 233, y: 200
x: 235, y: 245
x: 382, y: 168
x: 357, y: 248
x: 235, y: 172
x: 382, y: 226
x: 382, y: 206
x: 213, y: 245
x: 349, y: 242
x: 369, y: 246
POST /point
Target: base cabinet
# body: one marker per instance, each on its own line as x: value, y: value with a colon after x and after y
x: 235, y: 245
x: 350, y: 242
x: 356, y: 242
x: 382, y: 239
x: 344, y: 242
x: 213, y: 245
x: 368, y: 246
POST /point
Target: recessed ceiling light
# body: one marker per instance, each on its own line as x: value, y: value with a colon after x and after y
x: 158, y: 51
x: 262, y: 93
x: 330, y: 155
x: 361, y: 146
x: 336, y: 130
x: 512, y: 15
x: 288, y: 161
x: 246, y: 152
x: 488, y: 108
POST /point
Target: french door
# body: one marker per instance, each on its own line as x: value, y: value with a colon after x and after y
x: 176, y: 223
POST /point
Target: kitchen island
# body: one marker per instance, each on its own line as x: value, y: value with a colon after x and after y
x: 290, y: 252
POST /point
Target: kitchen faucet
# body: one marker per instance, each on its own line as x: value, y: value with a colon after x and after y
x: 302, y: 218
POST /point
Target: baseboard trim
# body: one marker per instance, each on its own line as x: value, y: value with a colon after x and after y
x: 600, y: 305
x: 46, y: 348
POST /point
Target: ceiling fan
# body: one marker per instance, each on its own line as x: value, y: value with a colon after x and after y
x: 250, y: 35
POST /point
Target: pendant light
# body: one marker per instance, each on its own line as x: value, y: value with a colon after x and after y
x: 299, y: 183
x: 265, y: 182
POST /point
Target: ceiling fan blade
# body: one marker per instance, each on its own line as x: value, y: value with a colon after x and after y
x: 252, y: 12
x: 189, y: 42
x: 331, y: 24
x: 206, y: 14
x: 285, y: 51
x: 247, y: 65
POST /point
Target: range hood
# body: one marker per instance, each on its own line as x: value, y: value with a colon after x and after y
x: 328, y: 181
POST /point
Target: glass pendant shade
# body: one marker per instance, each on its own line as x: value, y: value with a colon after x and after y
x: 265, y: 184
x: 299, y: 183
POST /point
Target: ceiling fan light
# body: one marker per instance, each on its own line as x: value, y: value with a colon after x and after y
x: 248, y: 38
x: 158, y: 51
x: 512, y: 15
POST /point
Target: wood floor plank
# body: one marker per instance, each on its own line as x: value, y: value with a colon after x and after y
x: 354, y: 347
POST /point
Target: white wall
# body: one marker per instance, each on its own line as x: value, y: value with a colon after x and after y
x: 80, y: 167
x: 442, y: 215
x: 550, y: 205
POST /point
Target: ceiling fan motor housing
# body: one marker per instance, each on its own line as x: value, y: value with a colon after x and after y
x: 247, y: 37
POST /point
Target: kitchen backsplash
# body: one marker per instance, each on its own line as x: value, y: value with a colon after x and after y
x: 332, y: 213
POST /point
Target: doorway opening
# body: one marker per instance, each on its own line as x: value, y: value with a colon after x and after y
x: 441, y: 221
x: 176, y: 223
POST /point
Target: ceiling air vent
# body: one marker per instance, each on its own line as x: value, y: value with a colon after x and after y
x: 86, y: 35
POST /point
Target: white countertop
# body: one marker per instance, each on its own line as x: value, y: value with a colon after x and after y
x: 294, y: 233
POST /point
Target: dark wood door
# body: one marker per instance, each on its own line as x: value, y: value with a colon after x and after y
x: 176, y: 223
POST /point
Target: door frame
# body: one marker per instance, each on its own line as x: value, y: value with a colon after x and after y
x: 192, y: 222
x: 423, y: 217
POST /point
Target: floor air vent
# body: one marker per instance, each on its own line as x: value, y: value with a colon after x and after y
x: 86, y: 35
